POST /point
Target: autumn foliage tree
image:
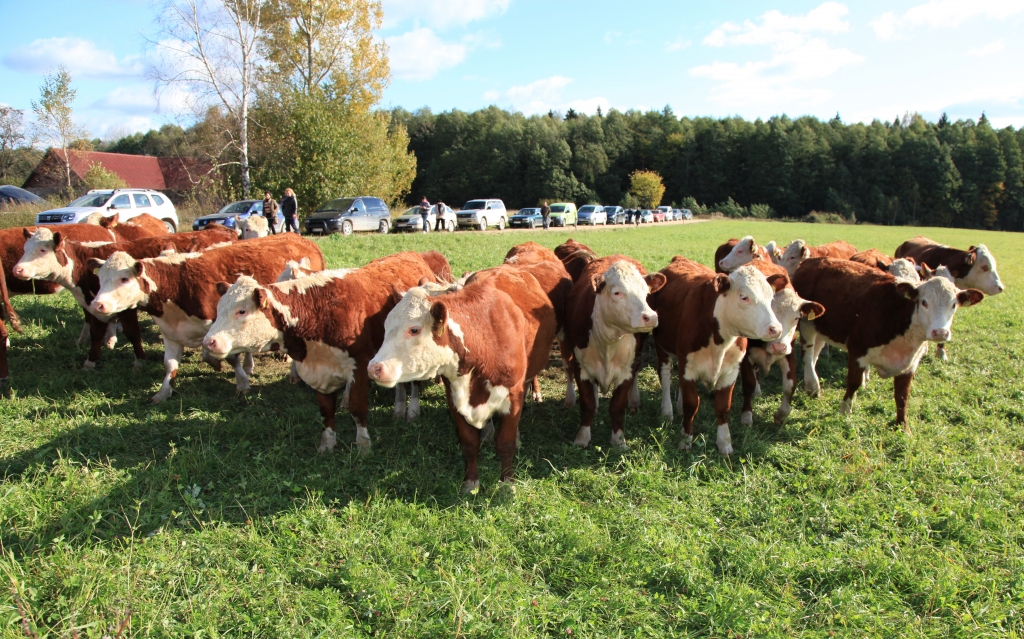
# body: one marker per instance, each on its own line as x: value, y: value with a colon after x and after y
x: 647, y: 188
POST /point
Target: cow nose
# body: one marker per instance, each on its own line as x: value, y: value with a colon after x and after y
x: 777, y: 348
x: 212, y: 344
x: 774, y: 330
x: 940, y: 334
x: 18, y: 271
x: 100, y: 307
x: 375, y: 371
x: 721, y: 265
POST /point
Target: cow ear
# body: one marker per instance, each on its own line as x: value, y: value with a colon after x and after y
x: 911, y: 260
x: 113, y: 220
x: 58, y: 237
x: 972, y: 255
x: 811, y: 310
x: 597, y: 283
x: 655, y: 281
x: 440, y: 314
x: 27, y: 233
x: 424, y: 281
x: 305, y: 263
x: 94, y: 264
x: 722, y: 283
x: 926, y: 273
x: 806, y: 253
x: 778, y: 282
x: 260, y: 297
x: 222, y: 288
x: 140, y: 268
x: 396, y: 294
x: 970, y: 297
x: 907, y: 290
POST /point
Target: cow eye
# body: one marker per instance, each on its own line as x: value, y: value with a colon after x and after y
x: 924, y: 303
x: 414, y: 331
x: 744, y: 298
x: 985, y: 268
x: 124, y: 280
x: 241, y: 312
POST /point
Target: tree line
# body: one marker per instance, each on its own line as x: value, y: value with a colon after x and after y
x: 908, y: 171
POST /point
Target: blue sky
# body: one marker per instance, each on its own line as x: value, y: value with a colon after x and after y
x: 864, y: 60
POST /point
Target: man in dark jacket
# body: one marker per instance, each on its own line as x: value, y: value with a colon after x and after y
x: 290, y: 210
x: 270, y: 211
x: 425, y: 213
x: 545, y: 212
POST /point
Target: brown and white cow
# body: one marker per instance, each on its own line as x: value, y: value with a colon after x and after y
x: 575, y: 257
x: 179, y: 292
x: 140, y: 226
x: 7, y: 315
x: 973, y: 268
x: 50, y: 257
x: 735, y: 253
x: 12, y: 247
x: 530, y: 253
x: 463, y: 337
x: 607, y: 321
x: 873, y: 257
x: 331, y: 323
x: 788, y: 308
x: 881, y: 321
x: 798, y: 251
x: 249, y: 228
x: 774, y: 252
x: 705, y: 320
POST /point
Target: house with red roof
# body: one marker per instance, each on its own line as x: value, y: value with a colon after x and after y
x: 172, y: 175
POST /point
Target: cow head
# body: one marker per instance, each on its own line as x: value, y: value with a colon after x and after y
x: 417, y: 340
x: 44, y: 257
x: 904, y: 269
x: 936, y: 301
x: 244, y: 321
x: 294, y: 270
x: 743, y: 252
x: 620, y: 301
x: 774, y: 252
x: 123, y: 284
x: 794, y: 254
x: 982, y: 274
x: 789, y: 308
x: 744, y: 304
x: 252, y: 227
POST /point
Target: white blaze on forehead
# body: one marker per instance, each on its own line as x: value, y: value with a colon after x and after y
x: 751, y: 317
x: 406, y: 357
x: 303, y: 283
x: 253, y: 227
x: 114, y: 293
x: 904, y: 269
x: 622, y: 302
x: 240, y: 325
x: 742, y: 253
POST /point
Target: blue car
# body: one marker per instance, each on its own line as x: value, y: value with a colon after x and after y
x: 526, y: 219
x: 243, y: 209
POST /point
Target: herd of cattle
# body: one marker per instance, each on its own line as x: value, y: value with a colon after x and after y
x: 404, y: 319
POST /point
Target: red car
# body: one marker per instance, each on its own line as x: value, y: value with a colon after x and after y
x: 659, y: 216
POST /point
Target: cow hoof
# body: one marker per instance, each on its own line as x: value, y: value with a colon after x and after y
x: 112, y: 342
x: 582, y: 437
x: 139, y: 363
x: 241, y: 392
x: 89, y: 366
x: 724, y: 440
x: 781, y: 416
x: 942, y: 355
x: 412, y: 414
x: 569, y: 402
x: 812, y: 389
x: 327, y: 441
x: 363, y: 446
x: 537, y: 397
x: 619, y: 440
x: 846, y: 407
x: 746, y: 418
x: 725, y: 450
x: 471, y: 487
x: 293, y: 379
x: 399, y: 412
x: 160, y: 397
x: 5, y: 387
x: 686, y: 442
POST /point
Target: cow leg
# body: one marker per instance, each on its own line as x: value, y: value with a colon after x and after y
x: 757, y: 381
x: 414, y: 402
x: 508, y: 438
x: 241, y: 379
x: 129, y: 320
x: 293, y: 375
x: 173, y: 352
x: 570, y: 387
x: 691, y: 402
x: 940, y: 351
x: 83, y: 337
x: 346, y: 395
x: 901, y: 391
x: 110, y: 338
x: 723, y: 404
x: 634, y: 389
x: 487, y: 432
x: 812, y: 385
x: 788, y: 367
x: 750, y: 387
x: 216, y: 364
x: 854, y: 378
x: 469, y: 440
x: 665, y: 374
x: 597, y: 397
x: 247, y: 364
x: 588, y: 407
x: 620, y: 398
x: 359, y: 406
x: 5, y: 373
x: 328, y: 403
x: 97, y: 330
x: 537, y: 397
x: 400, y: 401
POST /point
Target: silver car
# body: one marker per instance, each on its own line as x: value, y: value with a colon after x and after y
x: 592, y: 214
x: 411, y: 220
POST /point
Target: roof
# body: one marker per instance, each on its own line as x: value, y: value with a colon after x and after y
x: 137, y: 171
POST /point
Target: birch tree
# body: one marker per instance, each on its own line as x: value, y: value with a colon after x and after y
x: 54, y: 123
x: 210, y: 56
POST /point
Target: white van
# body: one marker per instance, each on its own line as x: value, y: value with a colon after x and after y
x: 127, y: 203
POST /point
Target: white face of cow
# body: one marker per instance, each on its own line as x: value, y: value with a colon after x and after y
x: 409, y: 352
x: 621, y: 299
x: 123, y: 284
x: 241, y: 325
x: 742, y: 253
x: 252, y: 227
x: 39, y: 261
x: 789, y: 308
x: 983, y: 274
x: 774, y: 252
x: 294, y: 270
x: 745, y: 308
x: 795, y: 253
x: 904, y: 269
x: 937, y: 300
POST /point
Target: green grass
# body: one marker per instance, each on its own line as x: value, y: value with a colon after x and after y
x: 212, y: 516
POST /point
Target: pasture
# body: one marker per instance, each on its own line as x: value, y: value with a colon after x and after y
x: 212, y: 516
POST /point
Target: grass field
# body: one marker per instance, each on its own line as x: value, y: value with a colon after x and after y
x: 210, y: 516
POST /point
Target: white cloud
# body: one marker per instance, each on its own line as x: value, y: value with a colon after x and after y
x: 799, y: 56
x: 988, y: 49
x: 81, y: 57
x: 134, y: 100
x: 942, y: 13
x: 545, y: 95
x: 441, y: 14
x: 677, y: 44
x: 420, y: 54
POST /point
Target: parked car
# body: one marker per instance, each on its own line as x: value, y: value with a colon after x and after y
x: 592, y: 214
x: 646, y: 216
x: 12, y: 195
x: 686, y: 214
x: 667, y: 210
x: 615, y: 214
x: 346, y: 215
x: 411, y: 220
x: 526, y: 219
x: 483, y: 213
x: 563, y: 214
x: 241, y: 209
x: 658, y: 215
x: 127, y: 203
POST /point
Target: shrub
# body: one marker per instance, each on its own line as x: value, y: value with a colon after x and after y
x: 730, y: 208
x: 97, y: 177
x: 824, y: 217
x: 647, y: 187
x: 761, y: 211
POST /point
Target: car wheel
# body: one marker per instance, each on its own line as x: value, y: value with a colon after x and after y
x: 501, y: 224
x: 384, y: 227
x: 450, y: 227
x: 346, y: 227
x: 533, y: 224
x: 483, y: 224
x: 169, y: 225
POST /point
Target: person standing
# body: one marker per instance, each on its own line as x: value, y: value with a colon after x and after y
x: 425, y: 213
x: 290, y: 210
x: 270, y: 211
x: 545, y: 213
x: 439, y: 224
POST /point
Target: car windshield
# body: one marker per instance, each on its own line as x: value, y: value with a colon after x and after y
x: 341, y: 204
x: 527, y: 211
x: 92, y: 199
x: 558, y: 208
x: 609, y: 209
x: 474, y: 205
x: 587, y: 209
x: 236, y: 207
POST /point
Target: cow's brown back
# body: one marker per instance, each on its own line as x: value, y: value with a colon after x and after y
x: 924, y: 251
x: 530, y: 253
x: 138, y: 227
x: 12, y: 247
x: 839, y: 249
x: 873, y: 258
x: 439, y: 265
